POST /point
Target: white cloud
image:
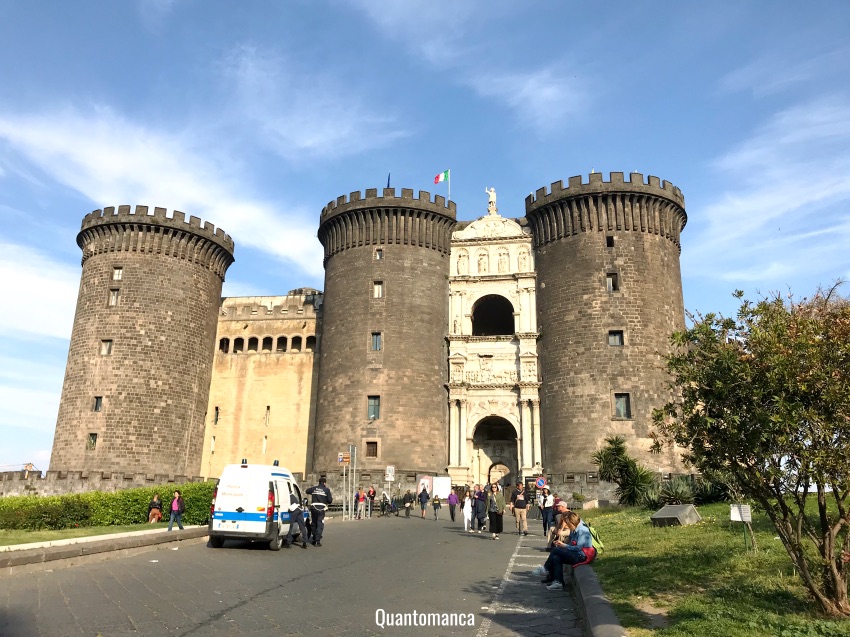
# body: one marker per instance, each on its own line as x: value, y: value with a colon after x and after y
x: 542, y: 99
x: 786, y: 209
x: 113, y: 161
x: 298, y: 112
x: 40, y: 294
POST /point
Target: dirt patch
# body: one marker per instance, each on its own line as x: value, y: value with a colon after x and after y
x: 656, y: 617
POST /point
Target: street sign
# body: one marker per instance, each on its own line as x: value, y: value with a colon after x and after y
x: 389, y: 474
x: 740, y: 513
x: 344, y: 458
x: 541, y: 482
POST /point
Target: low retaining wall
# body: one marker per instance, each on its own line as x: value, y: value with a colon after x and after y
x: 62, y: 482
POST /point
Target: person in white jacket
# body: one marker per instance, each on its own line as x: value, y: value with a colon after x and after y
x: 466, y: 508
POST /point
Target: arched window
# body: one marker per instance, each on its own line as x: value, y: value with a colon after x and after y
x: 252, y: 344
x: 492, y: 315
x: 281, y: 343
x: 238, y: 345
x: 296, y: 344
x: 310, y: 344
x: 224, y: 345
x: 267, y: 343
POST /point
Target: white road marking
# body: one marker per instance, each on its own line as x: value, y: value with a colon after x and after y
x: 495, y: 606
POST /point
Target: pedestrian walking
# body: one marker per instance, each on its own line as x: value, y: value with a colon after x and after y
x: 519, y: 506
x: 423, y: 500
x: 370, y: 497
x: 296, y: 523
x: 361, y: 503
x: 546, y: 507
x: 466, y: 510
x: 453, y: 502
x: 177, y: 509
x: 480, y: 500
x: 495, y: 510
x: 321, y: 498
x: 437, y: 506
x: 408, y: 501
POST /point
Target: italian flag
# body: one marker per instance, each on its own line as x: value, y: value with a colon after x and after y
x: 443, y: 176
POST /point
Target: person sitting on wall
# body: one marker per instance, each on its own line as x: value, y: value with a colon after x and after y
x: 577, y: 550
x: 155, y: 510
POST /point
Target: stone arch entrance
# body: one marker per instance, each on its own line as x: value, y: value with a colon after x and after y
x: 494, y: 451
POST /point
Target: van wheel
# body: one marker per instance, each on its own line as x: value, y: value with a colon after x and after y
x: 216, y: 542
x: 276, y: 543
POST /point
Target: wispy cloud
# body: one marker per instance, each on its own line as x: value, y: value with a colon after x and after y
x: 787, y: 193
x: 298, y: 112
x: 775, y: 72
x: 39, y: 288
x: 543, y: 99
x: 454, y: 36
x: 113, y: 161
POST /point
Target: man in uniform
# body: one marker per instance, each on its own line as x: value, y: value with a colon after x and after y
x: 296, y: 520
x: 321, y: 498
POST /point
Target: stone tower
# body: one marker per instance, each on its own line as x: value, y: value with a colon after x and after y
x: 382, y: 354
x: 609, y: 294
x: 139, y: 364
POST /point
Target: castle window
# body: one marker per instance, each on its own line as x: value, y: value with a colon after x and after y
x: 91, y: 442
x: 296, y: 344
x: 310, y: 344
x: 106, y: 347
x: 216, y: 414
x: 612, y: 281
x: 378, y: 290
x: 592, y: 477
x: 268, y: 414
x: 609, y: 242
x: 622, y: 406
x: 98, y: 403
x: 265, y: 441
x: 379, y: 254
x: 267, y: 343
x: 224, y: 345
x: 212, y: 444
x: 377, y: 341
x: 252, y: 344
x: 373, y: 407
x: 615, y: 338
x: 113, y: 297
x: 238, y: 345
x: 281, y: 343
x: 371, y: 448
x: 118, y: 274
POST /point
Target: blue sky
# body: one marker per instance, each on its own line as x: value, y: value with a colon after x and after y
x: 253, y: 115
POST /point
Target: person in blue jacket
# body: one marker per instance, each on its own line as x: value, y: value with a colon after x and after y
x: 423, y: 500
x: 578, y: 549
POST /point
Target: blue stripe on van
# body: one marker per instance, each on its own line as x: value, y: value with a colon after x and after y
x: 245, y: 516
x: 282, y: 475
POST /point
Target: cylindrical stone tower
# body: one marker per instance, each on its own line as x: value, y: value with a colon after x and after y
x: 609, y: 294
x: 382, y: 361
x: 139, y: 364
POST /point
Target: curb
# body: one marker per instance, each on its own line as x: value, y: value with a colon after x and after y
x: 57, y: 554
x: 600, y: 620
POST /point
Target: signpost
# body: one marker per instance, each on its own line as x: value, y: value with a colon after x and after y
x: 389, y: 474
x: 344, y: 458
x: 741, y: 513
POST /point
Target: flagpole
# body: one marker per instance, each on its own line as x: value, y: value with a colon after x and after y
x: 450, y: 184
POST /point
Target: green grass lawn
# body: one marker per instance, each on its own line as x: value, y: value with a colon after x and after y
x: 699, y: 581
x: 24, y: 537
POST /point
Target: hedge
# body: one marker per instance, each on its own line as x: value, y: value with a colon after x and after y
x: 98, y: 508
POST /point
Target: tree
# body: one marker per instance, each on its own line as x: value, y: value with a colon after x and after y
x: 615, y: 465
x: 765, y: 398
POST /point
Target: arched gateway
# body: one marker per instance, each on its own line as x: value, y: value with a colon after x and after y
x: 494, y: 450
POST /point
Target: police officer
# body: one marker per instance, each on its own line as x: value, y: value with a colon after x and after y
x: 296, y: 517
x: 321, y: 498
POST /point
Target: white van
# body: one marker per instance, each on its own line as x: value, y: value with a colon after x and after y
x: 251, y: 502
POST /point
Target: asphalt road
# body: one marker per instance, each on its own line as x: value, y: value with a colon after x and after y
x: 365, y: 571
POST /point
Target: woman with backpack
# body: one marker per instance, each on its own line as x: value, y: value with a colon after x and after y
x: 578, y: 549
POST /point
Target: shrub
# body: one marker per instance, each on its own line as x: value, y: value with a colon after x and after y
x: 652, y: 496
x: 633, y: 482
x: 708, y: 491
x: 677, y: 491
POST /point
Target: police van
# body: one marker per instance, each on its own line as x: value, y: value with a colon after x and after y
x: 251, y: 502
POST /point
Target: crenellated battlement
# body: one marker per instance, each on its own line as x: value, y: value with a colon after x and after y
x: 159, y: 217
x: 388, y: 199
x: 596, y: 185
x: 258, y: 308
x: 62, y: 482
x: 139, y: 230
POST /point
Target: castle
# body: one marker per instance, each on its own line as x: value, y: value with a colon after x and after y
x: 487, y: 350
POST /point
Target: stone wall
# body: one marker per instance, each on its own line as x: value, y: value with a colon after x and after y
x: 62, y: 482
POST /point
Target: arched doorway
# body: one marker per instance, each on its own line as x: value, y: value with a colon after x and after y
x: 494, y: 451
x: 492, y: 315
